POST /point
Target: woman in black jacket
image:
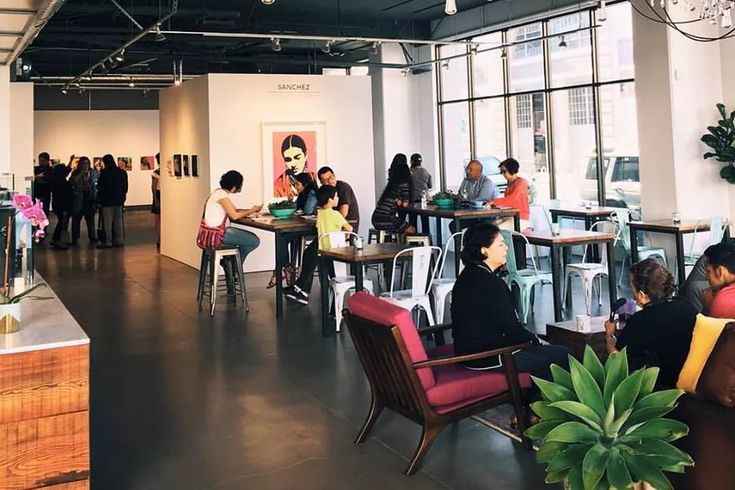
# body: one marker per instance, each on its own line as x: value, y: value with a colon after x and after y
x: 483, y: 313
x: 61, y: 203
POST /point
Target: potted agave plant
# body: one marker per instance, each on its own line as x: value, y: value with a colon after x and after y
x: 10, y: 309
x: 602, y: 428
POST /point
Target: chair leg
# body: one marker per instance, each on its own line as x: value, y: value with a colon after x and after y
x: 439, y: 300
x: 376, y: 408
x: 214, y: 277
x: 338, y: 303
x: 428, y: 436
x: 202, y: 280
x: 426, y: 306
x: 241, y: 280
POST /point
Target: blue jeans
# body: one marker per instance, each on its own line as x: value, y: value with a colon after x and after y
x: 242, y: 239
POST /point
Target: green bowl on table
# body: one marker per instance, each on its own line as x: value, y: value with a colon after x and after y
x: 444, y: 203
x: 282, y: 211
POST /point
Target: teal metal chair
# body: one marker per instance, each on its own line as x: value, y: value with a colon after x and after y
x: 717, y: 227
x: 526, y: 279
x: 622, y: 217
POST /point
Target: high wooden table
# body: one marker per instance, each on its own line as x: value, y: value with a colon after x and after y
x: 566, y: 334
x: 562, y: 243
x: 589, y: 215
x: 284, y: 230
x: 44, y: 400
x: 357, y: 259
x: 667, y: 227
x: 461, y: 215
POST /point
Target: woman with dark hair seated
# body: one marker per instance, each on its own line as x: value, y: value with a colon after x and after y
x: 483, y: 313
x: 219, y: 209
x: 659, y: 334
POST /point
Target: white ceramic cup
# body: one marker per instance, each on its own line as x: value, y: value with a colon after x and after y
x: 583, y: 324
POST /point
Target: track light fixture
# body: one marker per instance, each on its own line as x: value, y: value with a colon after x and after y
x: 504, y: 54
x: 178, y: 72
x: 131, y: 84
x: 120, y: 57
x: 374, y: 48
x: 450, y: 8
x: 64, y: 91
x: 445, y: 64
x: 159, y: 35
x: 473, y: 48
x: 267, y: 2
x: 276, y: 44
x: 562, y: 43
x: 602, y: 11
x: 327, y: 48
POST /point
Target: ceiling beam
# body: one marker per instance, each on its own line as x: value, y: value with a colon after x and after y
x: 7, y: 11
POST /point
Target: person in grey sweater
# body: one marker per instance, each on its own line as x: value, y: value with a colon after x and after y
x: 421, y: 184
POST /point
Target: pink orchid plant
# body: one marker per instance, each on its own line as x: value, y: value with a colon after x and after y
x: 33, y: 213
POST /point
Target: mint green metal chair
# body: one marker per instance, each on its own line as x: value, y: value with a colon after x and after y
x: 717, y: 226
x: 526, y: 279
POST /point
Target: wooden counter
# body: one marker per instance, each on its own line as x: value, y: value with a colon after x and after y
x: 44, y: 400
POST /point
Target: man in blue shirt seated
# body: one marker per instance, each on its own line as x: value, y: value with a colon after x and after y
x: 476, y: 186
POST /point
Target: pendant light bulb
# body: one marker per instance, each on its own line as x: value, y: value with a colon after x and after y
x: 450, y: 8
x: 268, y: 2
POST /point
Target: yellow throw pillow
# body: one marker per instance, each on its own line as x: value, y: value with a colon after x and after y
x: 706, y: 332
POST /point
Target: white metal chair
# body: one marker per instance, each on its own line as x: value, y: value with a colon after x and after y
x: 717, y: 227
x: 342, y: 283
x: 441, y: 287
x: 622, y: 217
x: 421, y: 274
x: 589, y: 271
x: 525, y: 279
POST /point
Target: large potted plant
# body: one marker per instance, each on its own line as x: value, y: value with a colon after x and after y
x: 721, y: 139
x: 602, y: 428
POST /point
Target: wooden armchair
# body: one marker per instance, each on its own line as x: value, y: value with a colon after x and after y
x: 432, y: 392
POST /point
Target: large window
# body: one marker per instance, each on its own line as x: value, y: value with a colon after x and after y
x: 537, y: 96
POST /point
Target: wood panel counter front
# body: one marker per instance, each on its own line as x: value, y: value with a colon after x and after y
x: 44, y: 400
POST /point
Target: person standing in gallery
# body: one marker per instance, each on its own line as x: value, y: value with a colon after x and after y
x: 391, y: 210
x: 156, y: 206
x: 219, y: 210
x: 83, y: 201
x: 421, y: 184
x: 112, y: 191
x: 296, y: 159
x: 347, y: 207
x: 61, y: 204
x: 41, y: 182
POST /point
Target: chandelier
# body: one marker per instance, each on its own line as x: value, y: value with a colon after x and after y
x: 713, y: 11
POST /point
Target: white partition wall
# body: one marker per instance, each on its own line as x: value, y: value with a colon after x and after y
x: 234, y: 109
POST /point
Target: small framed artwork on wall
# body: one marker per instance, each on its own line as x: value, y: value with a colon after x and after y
x: 147, y: 163
x: 125, y: 163
x: 97, y: 163
x: 177, y: 166
x: 195, y: 165
x: 186, y: 165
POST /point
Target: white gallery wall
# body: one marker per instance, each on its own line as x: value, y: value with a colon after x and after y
x: 21, y: 133
x: 131, y: 134
x: 184, y: 112
x: 234, y: 108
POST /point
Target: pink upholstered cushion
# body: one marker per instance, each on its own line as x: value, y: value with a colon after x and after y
x: 385, y: 313
x: 457, y: 386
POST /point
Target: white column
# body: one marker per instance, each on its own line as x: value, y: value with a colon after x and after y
x: 4, y: 119
x: 16, y: 128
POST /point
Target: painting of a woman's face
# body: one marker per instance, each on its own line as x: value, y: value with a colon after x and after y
x: 295, y: 159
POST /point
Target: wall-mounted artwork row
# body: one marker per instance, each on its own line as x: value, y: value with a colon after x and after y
x: 183, y: 166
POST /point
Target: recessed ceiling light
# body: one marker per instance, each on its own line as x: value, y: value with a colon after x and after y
x: 450, y: 8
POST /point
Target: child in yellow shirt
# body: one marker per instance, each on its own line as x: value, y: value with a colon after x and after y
x: 327, y: 220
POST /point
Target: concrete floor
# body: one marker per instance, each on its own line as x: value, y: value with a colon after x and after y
x: 241, y: 401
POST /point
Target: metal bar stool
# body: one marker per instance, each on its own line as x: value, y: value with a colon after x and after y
x: 228, y: 257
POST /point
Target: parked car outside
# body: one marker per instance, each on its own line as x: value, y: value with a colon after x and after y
x: 622, y: 181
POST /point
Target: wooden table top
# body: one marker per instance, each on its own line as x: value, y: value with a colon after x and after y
x: 454, y: 213
x: 667, y: 226
x: 370, y: 253
x: 270, y: 223
x: 583, y: 212
x: 597, y: 325
x: 567, y: 236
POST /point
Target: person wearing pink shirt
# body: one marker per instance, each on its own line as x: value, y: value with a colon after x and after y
x: 516, y: 194
x: 719, y: 300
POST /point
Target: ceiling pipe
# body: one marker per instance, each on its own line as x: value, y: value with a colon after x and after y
x: 153, y: 28
x: 322, y: 39
x: 44, y: 13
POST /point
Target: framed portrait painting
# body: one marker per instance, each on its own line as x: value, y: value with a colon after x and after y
x: 290, y: 149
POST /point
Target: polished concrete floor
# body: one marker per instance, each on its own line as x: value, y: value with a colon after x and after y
x: 242, y: 401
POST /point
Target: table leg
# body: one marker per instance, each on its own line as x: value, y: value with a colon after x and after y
x: 324, y: 289
x: 633, y: 245
x: 439, y: 238
x: 280, y: 243
x: 680, y: 269
x: 612, y: 281
x: 358, y: 278
x: 566, y: 259
x: 517, y: 222
x: 555, y: 265
x: 457, y: 249
x: 594, y: 249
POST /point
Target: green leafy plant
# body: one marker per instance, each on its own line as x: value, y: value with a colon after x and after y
x: 721, y: 139
x: 286, y: 204
x: 6, y: 299
x: 444, y: 195
x: 603, y: 428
